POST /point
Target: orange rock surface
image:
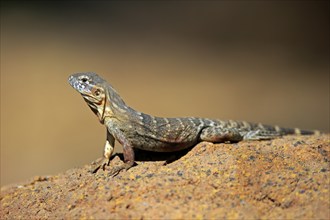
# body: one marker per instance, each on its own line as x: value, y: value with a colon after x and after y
x: 283, y: 178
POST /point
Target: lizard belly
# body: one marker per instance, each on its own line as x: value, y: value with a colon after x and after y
x: 153, y: 140
x: 152, y: 144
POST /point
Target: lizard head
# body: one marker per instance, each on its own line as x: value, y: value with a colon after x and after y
x: 93, y: 90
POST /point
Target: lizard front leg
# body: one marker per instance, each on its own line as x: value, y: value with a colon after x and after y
x: 107, y: 152
x: 129, y: 156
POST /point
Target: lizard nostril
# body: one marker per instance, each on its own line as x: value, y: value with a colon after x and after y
x: 71, y: 80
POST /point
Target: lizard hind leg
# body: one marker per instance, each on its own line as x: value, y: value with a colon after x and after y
x: 219, y: 135
x: 260, y: 135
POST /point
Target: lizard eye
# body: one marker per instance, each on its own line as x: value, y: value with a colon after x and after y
x: 84, y: 79
x: 97, y: 92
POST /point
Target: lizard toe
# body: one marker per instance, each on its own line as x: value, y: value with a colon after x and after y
x: 99, y: 163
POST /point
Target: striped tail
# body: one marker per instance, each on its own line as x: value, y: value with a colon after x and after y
x: 266, y: 132
x: 284, y: 131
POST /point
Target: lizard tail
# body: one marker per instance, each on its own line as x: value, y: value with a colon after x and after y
x: 285, y: 131
x: 298, y: 131
x: 265, y: 132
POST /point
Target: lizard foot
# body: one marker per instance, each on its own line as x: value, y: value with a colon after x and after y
x: 114, y: 172
x: 99, y: 163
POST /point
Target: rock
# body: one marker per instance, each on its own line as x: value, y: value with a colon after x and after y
x: 282, y: 178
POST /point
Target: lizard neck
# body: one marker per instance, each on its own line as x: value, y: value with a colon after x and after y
x: 115, y: 107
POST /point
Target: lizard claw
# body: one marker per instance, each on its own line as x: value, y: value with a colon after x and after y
x: 114, y: 172
x: 99, y: 163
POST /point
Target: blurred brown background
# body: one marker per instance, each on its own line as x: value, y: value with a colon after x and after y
x: 257, y: 61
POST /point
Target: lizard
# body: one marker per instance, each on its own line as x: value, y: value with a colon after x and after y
x: 137, y: 130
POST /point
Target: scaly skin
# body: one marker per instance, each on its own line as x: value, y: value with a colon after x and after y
x: 134, y: 129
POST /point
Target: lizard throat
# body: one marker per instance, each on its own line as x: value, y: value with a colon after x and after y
x: 98, y: 108
x: 104, y: 108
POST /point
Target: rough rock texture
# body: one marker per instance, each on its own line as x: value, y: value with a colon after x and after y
x: 283, y: 178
